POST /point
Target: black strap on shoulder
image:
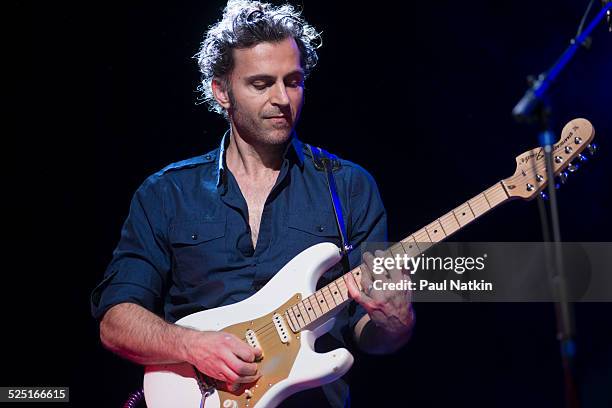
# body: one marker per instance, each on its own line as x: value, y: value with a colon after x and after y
x: 323, y: 161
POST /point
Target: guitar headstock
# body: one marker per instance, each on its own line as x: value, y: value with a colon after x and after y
x: 531, y: 177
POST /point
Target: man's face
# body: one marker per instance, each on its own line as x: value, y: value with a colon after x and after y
x: 266, y: 92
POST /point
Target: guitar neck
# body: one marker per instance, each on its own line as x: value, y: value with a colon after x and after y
x: 331, y: 298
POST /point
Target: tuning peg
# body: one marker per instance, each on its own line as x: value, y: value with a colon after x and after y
x: 563, y: 176
x: 583, y: 158
x: 592, y: 148
x: 544, y: 196
x: 572, y: 167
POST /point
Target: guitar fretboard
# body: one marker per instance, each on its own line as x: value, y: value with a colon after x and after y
x: 331, y: 298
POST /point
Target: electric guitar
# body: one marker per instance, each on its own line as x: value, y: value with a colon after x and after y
x: 288, y: 314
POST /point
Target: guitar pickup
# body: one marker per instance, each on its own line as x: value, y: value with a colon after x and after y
x: 281, y: 328
x: 252, y: 341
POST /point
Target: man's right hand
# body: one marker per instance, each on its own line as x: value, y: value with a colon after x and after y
x: 223, y: 356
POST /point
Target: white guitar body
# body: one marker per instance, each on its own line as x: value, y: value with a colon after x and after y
x: 176, y: 385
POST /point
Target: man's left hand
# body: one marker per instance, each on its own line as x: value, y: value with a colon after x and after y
x: 389, y: 310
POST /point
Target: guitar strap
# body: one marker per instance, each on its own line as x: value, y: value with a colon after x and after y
x: 324, y: 161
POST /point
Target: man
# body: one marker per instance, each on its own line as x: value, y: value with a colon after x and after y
x: 212, y: 230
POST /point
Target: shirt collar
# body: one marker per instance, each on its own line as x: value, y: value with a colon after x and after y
x: 293, y: 152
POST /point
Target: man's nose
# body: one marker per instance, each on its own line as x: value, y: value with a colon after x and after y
x: 279, y: 95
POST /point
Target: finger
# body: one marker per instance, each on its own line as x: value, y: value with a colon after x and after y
x: 245, y: 352
x: 240, y: 367
x: 231, y: 377
x: 354, y: 292
x: 368, y: 262
x: 395, y: 273
x: 384, y: 255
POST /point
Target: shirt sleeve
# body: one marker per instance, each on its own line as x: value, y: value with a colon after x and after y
x: 368, y: 224
x: 141, y: 261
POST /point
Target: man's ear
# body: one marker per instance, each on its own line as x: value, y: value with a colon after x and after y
x: 221, y: 93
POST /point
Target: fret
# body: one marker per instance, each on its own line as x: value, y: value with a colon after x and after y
x: 421, y: 236
x: 312, y: 299
x: 357, y: 276
x: 330, y: 295
x: 470, y: 208
x: 496, y: 195
x: 292, y: 319
x: 298, y: 316
x: 342, y: 288
x: 397, y: 249
x: 422, y: 239
x: 410, y: 247
x: 487, y: 200
x: 308, y: 306
x: 435, y: 231
x: 450, y: 223
x: 322, y: 302
x: 464, y: 214
x: 304, y: 313
x: 341, y: 283
x: 336, y: 293
x: 478, y: 205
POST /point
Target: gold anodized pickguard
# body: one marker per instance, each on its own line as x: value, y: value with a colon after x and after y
x: 278, y: 357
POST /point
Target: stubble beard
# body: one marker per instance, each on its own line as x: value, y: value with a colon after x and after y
x: 253, y: 129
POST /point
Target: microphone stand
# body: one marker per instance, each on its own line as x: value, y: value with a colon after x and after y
x: 535, y: 105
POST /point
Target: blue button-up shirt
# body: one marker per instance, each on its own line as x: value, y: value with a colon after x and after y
x: 186, y: 244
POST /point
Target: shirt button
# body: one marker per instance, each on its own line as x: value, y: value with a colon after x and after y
x: 321, y: 228
x: 194, y: 236
x: 207, y: 157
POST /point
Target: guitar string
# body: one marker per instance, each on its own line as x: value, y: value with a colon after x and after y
x: 494, y: 192
x: 479, y: 202
x: 478, y: 205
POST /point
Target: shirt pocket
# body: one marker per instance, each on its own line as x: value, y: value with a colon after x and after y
x: 198, y: 250
x: 308, y: 228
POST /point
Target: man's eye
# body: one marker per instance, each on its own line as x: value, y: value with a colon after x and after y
x: 259, y: 85
x: 295, y: 83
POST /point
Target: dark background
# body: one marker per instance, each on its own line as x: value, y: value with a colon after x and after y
x: 101, y: 95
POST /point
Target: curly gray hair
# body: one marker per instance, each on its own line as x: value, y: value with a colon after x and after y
x: 245, y: 24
